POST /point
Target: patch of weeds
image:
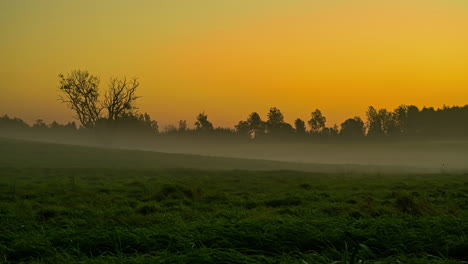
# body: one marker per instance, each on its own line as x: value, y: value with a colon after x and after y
x: 324, y: 195
x: 288, y: 201
x: 176, y: 192
x: 46, y: 214
x: 355, y: 214
x: 288, y: 211
x: 218, y: 197
x: 331, y: 210
x: 249, y: 205
x: 407, y: 205
x: 148, y: 209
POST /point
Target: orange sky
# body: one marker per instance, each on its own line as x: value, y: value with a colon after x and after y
x: 229, y: 58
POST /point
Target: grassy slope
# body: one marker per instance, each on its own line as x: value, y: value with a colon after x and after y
x: 19, y: 153
x: 68, y: 204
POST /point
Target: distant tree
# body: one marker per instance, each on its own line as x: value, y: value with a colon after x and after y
x: 330, y: 131
x: 334, y: 130
x: 252, y: 127
x: 400, y: 115
x: 287, y: 128
x: 80, y: 91
x: 223, y: 131
x: 202, y: 122
x: 374, y: 123
x: 70, y: 126
x: 413, y: 124
x: 243, y: 128
x: 382, y: 122
x: 353, y: 128
x: 120, y: 98
x: 275, y: 123
x: 12, y: 123
x: 389, y: 123
x: 54, y: 125
x: 256, y: 124
x: 140, y: 124
x: 40, y: 124
x: 170, y: 129
x: 299, y: 126
x: 317, y: 122
x: 152, y: 125
x: 182, y: 126
x: 275, y: 119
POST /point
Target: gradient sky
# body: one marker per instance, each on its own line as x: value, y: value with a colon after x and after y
x: 231, y: 57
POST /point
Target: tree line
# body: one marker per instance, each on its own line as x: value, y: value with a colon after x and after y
x: 115, y: 110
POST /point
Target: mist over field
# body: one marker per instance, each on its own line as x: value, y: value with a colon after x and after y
x: 423, y: 156
x: 448, y: 155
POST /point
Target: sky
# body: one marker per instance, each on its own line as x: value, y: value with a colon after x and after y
x: 229, y: 58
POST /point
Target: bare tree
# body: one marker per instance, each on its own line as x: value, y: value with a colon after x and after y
x: 120, y: 98
x: 80, y: 91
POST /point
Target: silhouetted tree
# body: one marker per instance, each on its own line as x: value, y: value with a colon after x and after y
x: 413, y: 124
x: 317, y: 122
x: 353, y: 128
x: 120, y: 98
x: 400, y: 114
x: 330, y: 131
x: 275, y: 119
x: 202, y: 122
x: 12, y: 123
x: 374, y: 123
x: 223, y: 131
x: 80, y: 91
x: 243, y: 128
x: 71, y: 125
x: 170, y: 129
x: 389, y: 122
x: 253, y: 127
x: 152, y: 125
x: 256, y: 124
x: 382, y: 122
x: 55, y: 125
x: 275, y: 124
x: 299, y: 126
x: 40, y: 124
x: 182, y: 126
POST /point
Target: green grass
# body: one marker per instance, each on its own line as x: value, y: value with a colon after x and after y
x: 66, y: 214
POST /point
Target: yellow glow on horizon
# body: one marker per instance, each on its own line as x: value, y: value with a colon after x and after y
x: 232, y: 58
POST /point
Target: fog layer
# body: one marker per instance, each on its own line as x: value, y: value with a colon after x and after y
x: 434, y: 156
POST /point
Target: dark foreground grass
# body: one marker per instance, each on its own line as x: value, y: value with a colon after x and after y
x: 189, y: 216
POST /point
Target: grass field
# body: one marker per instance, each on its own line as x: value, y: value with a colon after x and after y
x: 66, y: 204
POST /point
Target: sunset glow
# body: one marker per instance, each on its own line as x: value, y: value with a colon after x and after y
x: 229, y: 58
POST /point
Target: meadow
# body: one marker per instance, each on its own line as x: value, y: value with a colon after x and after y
x: 69, y: 204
